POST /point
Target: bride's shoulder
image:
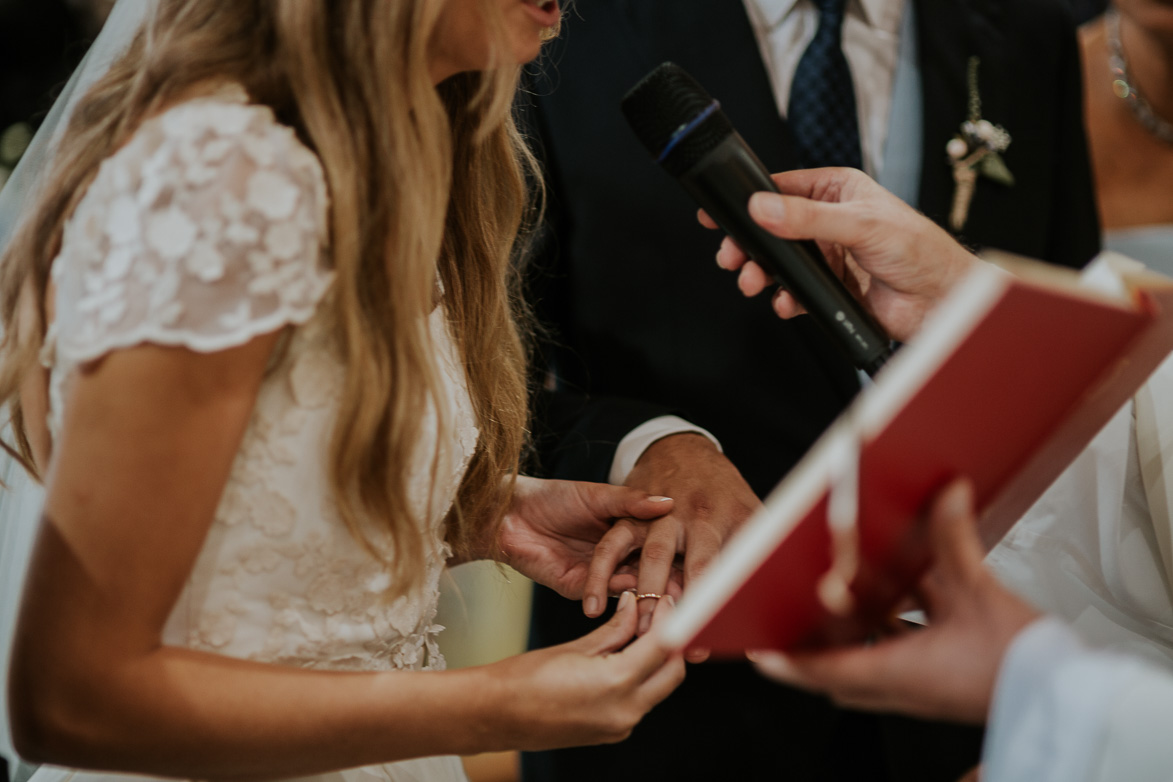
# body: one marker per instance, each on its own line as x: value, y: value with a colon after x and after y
x: 215, y: 158
x: 207, y: 227
x: 212, y: 141
x: 223, y: 115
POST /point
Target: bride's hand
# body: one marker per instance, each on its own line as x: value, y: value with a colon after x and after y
x: 590, y: 691
x: 551, y: 529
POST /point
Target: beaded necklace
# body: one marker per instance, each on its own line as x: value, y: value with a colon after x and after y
x: 1123, y: 87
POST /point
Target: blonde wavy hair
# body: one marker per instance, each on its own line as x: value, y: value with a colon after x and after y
x: 425, y: 181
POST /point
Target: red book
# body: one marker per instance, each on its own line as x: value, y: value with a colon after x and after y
x: 1009, y: 379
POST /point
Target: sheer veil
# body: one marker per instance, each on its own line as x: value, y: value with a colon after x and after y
x: 124, y: 21
x: 21, y: 502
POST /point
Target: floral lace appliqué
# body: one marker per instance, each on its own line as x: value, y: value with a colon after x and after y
x: 205, y: 230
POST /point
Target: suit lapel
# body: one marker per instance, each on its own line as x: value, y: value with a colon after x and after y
x: 943, y: 29
x: 950, y: 32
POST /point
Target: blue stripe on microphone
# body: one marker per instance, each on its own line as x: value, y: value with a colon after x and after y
x: 684, y: 130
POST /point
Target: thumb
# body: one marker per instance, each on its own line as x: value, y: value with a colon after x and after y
x: 794, y: 217
x: 619, y: 502
x: 957, y: 551
x: 953, y: 530
x: 618, y: 631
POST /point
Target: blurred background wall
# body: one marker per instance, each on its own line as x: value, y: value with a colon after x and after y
x: 40, y: 43
x: 485, y: 609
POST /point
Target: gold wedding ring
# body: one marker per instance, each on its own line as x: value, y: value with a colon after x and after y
x: 644, y: 595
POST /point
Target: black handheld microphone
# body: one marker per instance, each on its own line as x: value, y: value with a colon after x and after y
x: 688, y: 134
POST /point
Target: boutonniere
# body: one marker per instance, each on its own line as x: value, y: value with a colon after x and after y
x: 975, y: 151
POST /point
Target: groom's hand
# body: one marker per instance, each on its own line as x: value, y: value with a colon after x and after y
x: 711, y: 501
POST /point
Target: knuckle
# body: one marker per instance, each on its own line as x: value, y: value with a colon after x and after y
x: 703, y: 507
x: 610, y: 543
x: 613, y: 683
x: 607, y: 549
x: 659, y: 550
x: 615, y: 734
x: 622, y: 723
x: 869, y: 221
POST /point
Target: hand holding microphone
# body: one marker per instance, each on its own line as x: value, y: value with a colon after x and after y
x: 897, y: 260
x: 688, y: 134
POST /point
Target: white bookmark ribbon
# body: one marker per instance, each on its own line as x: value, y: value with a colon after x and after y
x: 834, y: 589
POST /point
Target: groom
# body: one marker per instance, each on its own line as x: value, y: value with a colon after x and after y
x: 643, y: 323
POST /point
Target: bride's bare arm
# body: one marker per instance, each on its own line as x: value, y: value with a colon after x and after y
x: 147, y: 444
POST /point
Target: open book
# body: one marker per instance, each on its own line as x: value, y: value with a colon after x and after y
x: 1009, y: 379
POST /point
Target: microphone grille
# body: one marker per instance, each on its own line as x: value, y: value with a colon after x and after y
x: 663, y: 104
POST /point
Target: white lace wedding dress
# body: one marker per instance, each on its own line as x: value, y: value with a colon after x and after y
x: 205, y: 231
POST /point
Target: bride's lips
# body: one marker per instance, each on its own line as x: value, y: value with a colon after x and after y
x: 545, y: 12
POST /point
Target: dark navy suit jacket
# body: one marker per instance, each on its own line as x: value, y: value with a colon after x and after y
x: 642, y: 322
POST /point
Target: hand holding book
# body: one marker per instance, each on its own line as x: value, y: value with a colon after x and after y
x: 1001, y: 352
x: 1011, y: 376
x: 944, y: 672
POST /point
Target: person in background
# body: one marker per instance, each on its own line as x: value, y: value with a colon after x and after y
x: 1114, y: 588
x: 1128, y: 82
x: 642, y: 326
x: 1058, y: 710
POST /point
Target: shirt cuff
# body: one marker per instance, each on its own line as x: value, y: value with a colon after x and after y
x: 1050, y: 702
x: 639, y: 439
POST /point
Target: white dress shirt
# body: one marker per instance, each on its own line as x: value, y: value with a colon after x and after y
x: 1064, y: 713
x: 871, y: 43
x: 1095, y: 549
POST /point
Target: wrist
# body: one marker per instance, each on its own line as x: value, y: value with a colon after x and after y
x: 961, y: 263
x: 496, y: 695
x: 488, y: 717
x: 670, y: 455
x: 676, y: 443
x: 636, y: 442
x: 488, y: 544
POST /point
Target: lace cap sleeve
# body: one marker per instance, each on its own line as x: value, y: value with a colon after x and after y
x: 204, y: 231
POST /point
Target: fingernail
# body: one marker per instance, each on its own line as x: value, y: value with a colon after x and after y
x: 671, y: 601
x: 592, y: 606
x: 767, y: 206
x: 776, y: 665
x: 645, y: 622
x: 721, y: 255
x: 659, y: 499
x: 625, y: 601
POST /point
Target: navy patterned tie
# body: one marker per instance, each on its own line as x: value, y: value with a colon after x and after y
x: 822, y: 111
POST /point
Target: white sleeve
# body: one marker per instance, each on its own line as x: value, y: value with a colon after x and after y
x: 1065, y: 713
x: 635, y: 442
x: 203, y: 232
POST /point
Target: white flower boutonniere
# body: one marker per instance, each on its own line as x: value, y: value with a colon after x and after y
x: 975, y: 151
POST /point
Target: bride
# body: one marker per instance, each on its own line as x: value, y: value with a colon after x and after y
x: 259, y: 344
